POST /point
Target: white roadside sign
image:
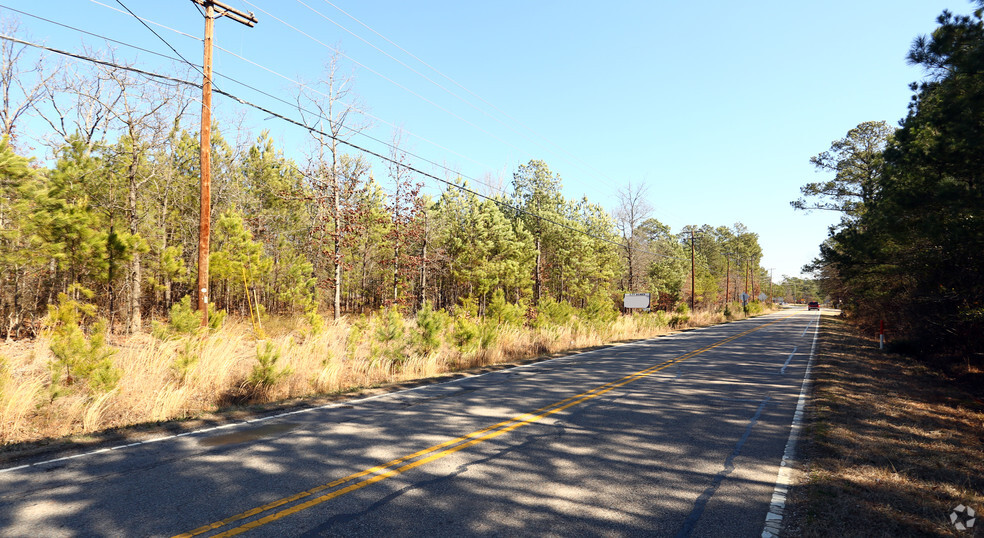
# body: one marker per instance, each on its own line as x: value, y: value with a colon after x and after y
x: 636, y: 300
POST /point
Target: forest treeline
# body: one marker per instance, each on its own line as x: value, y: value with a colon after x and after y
x: 115, y: 211
x: 909, y: 249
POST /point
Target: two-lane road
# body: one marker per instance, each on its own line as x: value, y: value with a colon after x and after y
x: 674, y: 436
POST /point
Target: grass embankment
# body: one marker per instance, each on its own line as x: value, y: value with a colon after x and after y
x: 174, y: 375
x: 892, y: 445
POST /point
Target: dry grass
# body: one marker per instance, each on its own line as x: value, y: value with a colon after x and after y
x: 893, y: 446
x: 183, y: 377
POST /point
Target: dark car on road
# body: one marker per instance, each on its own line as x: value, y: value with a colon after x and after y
x: 813, y: 305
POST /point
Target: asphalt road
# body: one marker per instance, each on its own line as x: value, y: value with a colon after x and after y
x: 676, y: 436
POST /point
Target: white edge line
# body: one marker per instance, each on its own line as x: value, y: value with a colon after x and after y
x: 349, y: 402
x: 773, y: 519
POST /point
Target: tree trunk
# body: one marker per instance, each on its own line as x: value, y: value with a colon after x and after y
x: 337, y: 208
x: 628, y: 254
x: 537, y: 284
x: 396, y: 270
x: 422, y: 297
x: 134, y: 319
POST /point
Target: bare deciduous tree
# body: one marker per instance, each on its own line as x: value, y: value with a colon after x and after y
x: 633, y: 208
x: 21, y: 84
x: 324, y: 110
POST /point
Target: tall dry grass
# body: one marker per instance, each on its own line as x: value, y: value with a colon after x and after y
x: 182, y: 376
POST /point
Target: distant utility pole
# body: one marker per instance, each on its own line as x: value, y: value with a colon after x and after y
x: 693, y: 280
x: 727, y: 281
x: 213, y: 10
x: 771, y: 291
x: 748, y: 271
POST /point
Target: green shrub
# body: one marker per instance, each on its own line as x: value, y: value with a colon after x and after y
x: 502, y: 312
x: 390, y: 334
x: 358, y: 328
x: 391, y: 326
x: 468, y: 306
x: 183, y: 319
x: 430, y: 325
x: 79, y: 357
x: 465, y: 334
x: 187, y: 357
x: 315, y: 321
x: 553, y: 313
x: 266, y: 372
x: 599, y: 310
x: 488, y: 333
x: 216, y: 317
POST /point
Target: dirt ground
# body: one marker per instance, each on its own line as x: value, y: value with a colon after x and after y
x: 892, y: 446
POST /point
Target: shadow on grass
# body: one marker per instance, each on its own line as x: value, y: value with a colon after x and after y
x: 892, y: 445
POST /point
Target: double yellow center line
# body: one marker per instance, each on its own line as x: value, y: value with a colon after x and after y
x: 400, y: 465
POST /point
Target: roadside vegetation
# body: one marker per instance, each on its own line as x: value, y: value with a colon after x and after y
x: 908, y: 250
x: 892, y: 444
x: 181, y: 370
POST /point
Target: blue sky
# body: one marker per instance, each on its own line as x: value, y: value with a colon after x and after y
x: 716, y: 107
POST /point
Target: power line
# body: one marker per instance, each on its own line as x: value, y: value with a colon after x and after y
x: 147, y: 26
x: 296, y: 83
x: 143, y: 19
x: 276, y: 97
x: 81, y: 31
x: 98, y: 61
x: 377, y: 73
x: 410, y: 168
x: 473, y: 94
x: 562, y: 150
x: 415, y: 71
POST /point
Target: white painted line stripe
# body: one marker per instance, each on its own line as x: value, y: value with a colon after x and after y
x: 773, y: 520
x: 352, y: 402
x: 786, y: 364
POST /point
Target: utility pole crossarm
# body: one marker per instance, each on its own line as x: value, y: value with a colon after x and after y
x: 223, y: 10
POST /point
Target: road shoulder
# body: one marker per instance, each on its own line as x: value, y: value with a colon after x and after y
x: 891, y: 446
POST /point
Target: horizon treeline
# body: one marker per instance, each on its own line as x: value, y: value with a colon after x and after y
x: 115, y: 212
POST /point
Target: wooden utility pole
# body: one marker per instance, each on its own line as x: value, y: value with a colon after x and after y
x: 693, y: 279
x: 727, y: 281
x: 771, y: 290
x: 213, y: 10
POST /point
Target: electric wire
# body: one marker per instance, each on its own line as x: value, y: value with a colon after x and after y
x: 147, y: 26
x: 416, y: 72
x: 146, y: 20
x: 98, y: 61
x: 505, y: 205
x: 296, y: 83
x: 473, y: 94
x: 384, y: 77
x: 81, y: 31
x: 284, y: 101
